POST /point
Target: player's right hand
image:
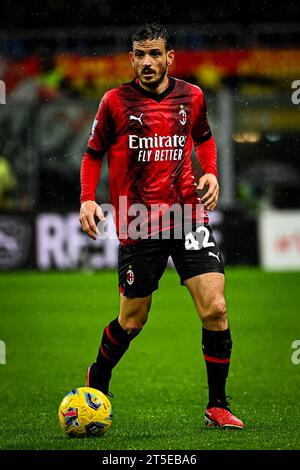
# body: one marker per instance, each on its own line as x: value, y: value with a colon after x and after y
x: 88, y: 210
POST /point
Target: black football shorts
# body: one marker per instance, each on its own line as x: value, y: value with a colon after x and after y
x: 142, y: 264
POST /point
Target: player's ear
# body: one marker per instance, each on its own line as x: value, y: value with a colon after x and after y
x: 170, y: 57
x: 131, y: 57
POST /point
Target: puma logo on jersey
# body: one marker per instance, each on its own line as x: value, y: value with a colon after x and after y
x: 216, y: 256
x: 135, y: 118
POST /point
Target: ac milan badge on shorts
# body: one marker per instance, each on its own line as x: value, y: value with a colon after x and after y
x: 130, y: 277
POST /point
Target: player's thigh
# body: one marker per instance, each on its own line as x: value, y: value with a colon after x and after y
x: 207, y: 291
x: 198, y: 261
x: 197, y: 253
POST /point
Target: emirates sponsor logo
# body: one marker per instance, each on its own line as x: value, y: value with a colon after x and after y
x: 158, y: 147
x: 157, y: 141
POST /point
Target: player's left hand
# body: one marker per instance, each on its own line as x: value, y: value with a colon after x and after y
x: 210, y: 198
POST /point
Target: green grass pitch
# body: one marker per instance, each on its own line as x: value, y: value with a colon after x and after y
x: 52, y: 323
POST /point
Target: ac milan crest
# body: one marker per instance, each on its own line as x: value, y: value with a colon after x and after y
x: 130, y: 277
x: 182, y: 115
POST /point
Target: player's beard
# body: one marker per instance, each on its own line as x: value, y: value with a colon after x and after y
x: 155, y: 83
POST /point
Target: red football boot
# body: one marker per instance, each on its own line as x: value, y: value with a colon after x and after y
x: 218, y: 415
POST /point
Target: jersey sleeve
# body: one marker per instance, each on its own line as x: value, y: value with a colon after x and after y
x: 102, y: 133
x: 89, y: 177
x: 200, y: 129
x: 205, y: 145
x: 206, y: 154
x: 100, y: 139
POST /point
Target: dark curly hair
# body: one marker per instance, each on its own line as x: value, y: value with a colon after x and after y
x: 152, y: 31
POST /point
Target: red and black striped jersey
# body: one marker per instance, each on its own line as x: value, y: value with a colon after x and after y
x: 149, y: 141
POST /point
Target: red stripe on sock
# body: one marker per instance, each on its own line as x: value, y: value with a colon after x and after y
x: 111, y: 339
x: 103, y: 353
x: 216, y: 359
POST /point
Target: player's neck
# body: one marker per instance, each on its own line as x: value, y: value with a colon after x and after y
x: 160, y: 89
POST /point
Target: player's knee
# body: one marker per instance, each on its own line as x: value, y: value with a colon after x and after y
x: 134, y: 314
x: 133, y: 326
x: 216, y: 312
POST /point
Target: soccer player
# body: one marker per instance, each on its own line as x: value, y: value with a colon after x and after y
x: 148, y: 129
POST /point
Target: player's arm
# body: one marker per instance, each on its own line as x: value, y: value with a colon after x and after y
x: 99, y: 142
x: 206, y: 153
x: 89, y: 177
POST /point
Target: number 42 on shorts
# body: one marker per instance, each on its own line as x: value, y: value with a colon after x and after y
x: 191, y: 242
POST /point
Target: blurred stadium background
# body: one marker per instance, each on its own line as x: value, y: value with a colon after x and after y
x: 56, y: 61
